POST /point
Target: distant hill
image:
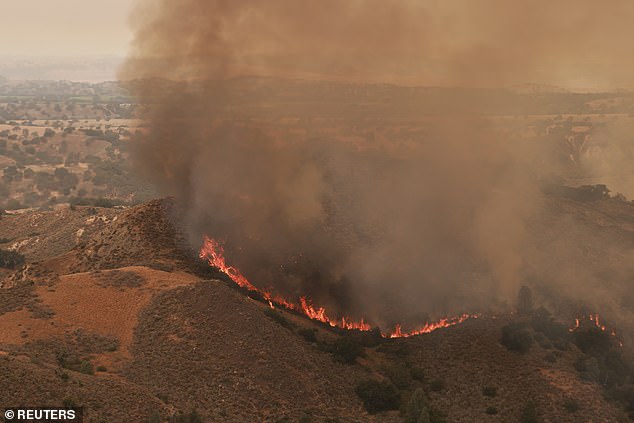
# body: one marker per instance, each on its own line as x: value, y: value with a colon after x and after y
x: 81, y: 69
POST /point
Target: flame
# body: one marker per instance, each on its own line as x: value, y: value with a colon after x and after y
x: 595, y: 321
x: 430, y: 327
x: 213, y: 252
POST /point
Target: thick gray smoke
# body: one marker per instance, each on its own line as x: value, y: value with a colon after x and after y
x: 436, y: 225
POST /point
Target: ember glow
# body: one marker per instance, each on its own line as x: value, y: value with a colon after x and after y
x: 594, y: 320
x: 213, y: 252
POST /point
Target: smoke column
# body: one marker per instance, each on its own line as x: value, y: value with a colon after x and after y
x: 436, y: 225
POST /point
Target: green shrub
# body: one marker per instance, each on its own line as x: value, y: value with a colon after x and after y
x: 69, y: 402
x: 491, y: 410
x: 417, y: 409
x: 437, y: 416
x: 277, y: 316
x: 543, y: 323
x: 489, y: 391
x: 192, y: 417
x: 11, y: 259
x: 347, y: 350
x: 417, y: 373
x: 308, y: 334
x: 516, y: 338
x: 593, y: 341
x: 550, y: 358
x: 529, y: 413
x: 399, y: 375
x: 378, y: 396
x: 86, y: 367
x: 571, y: 405
x: 437, y: 385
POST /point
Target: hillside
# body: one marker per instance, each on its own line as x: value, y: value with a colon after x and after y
x: 113, y: 312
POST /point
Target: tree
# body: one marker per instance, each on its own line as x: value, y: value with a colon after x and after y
x: 525, y: 300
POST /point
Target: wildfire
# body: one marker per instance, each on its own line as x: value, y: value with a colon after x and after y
x: 430, y: 327
x: 594, y: 321
x: 213, y: 252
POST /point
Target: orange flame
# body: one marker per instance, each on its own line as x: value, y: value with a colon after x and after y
x: 213, y: 252
x: 594, y: 319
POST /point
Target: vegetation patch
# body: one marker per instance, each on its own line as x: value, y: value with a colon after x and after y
x: 11, y: 259
x: 515, y: 337
x: 378, y: 396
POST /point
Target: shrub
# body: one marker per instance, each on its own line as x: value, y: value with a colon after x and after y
x: 11, y: 259
x: 308, y: 334
x: 489, y: 391
x: 276, y: 316
x: 529, y: 413
x: 102, y: 369
x: 436, y: 416
x: 417, y: 409
x: 86, y: 368
x: 69, y: 402
x: 347, y: 350
x: 491, y: 410
x: 516, y: 338
x: 571, y: 405
x: 399, y: 375
x: 417, y: 373
x: 155, y: 417
x: 593, y: 341
x: 550, y: 358
x: 192, y: 417
x: 437, y: 385
x: 543, y: 323
x: 378, y: 396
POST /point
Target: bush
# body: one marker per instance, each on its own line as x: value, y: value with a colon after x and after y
x: 550, y: 358
x: 69, y: 402
x: 491, y: 410
x: 516, y: 338
x: 417, y: 373
x: 399, y: 375
x: 347, y: 350
x: 571, y: 405
x: 529, y: 413
x: 277, y: 316
x: 543, y: 323
x: 10, y: 259
x: 86, y: 368
x: 489, y: 391
x: 95, y: 202
x: 417, y: 409
x: 378, y: 396
x: 437, y: 385
x: 593, y: 341
x: 192, y: 417
x: 308, y: 334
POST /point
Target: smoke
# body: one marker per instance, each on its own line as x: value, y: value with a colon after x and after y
x: 318, y: 196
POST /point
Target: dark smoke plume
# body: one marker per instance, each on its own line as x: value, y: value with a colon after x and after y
x: 390, y: 231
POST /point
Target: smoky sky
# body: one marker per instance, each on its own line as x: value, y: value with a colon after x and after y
x: 433, y: 227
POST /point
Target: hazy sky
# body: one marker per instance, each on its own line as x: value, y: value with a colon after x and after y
x: 65, y: 27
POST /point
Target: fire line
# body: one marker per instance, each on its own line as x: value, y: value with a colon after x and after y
x: 213, y: 251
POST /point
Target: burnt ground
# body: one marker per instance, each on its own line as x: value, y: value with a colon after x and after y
x: 119, y: 320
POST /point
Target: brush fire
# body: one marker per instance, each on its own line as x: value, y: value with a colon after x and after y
x: 213, y: 252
